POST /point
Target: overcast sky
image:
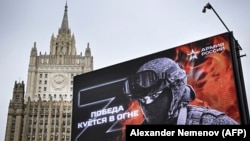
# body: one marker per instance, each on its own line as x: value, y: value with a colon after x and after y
x: 117, y: 30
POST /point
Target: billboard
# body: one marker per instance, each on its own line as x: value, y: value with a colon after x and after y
x: 198, y: 83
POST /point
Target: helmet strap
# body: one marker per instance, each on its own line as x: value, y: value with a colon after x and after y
x: 182, y: 117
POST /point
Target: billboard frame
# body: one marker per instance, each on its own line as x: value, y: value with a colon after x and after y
x: 239, y: 79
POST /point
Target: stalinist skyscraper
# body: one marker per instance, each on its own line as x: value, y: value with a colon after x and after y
x: 42, y: 112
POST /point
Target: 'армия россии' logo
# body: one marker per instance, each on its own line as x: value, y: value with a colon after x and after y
x: 216, y: 48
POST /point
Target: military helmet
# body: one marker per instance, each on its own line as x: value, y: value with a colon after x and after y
x: 156, y: 75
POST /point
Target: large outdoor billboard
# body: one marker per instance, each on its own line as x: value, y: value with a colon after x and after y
x: 198, y: 83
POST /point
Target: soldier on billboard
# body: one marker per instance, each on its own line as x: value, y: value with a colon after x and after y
x: 161, y: 88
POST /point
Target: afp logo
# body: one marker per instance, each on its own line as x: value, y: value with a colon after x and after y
x: 234, y: 133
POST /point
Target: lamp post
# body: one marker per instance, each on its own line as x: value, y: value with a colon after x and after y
x: 209, y: 6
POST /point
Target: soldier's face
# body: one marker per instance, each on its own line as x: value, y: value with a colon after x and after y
x: 155, y: 108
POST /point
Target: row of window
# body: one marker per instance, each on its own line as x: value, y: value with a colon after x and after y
x: 52, y: 121
x: 46, y: 109
x: 46, y: 75
x: 55, y: 96
x: 45, y: 130
x: 51, y: 137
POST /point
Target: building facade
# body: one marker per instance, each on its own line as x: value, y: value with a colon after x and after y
x: 43, y: 112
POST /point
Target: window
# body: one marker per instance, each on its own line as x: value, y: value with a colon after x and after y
x: 17, y: 97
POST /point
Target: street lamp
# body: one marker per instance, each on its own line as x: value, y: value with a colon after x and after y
x: 209, y: 6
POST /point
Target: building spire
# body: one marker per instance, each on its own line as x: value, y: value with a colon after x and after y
x: 65, y: 24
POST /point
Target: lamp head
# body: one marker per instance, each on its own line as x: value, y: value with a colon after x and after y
x: 204, y: 10
x: 207, y: 6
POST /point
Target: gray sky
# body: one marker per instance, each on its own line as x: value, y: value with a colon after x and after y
x: 117, y: 30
